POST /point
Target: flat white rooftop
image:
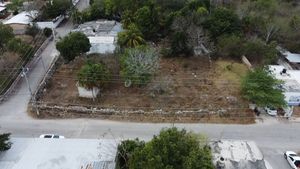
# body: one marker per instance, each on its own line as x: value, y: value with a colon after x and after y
x: 291, y: 78
x: 22, y: 18
x: 59, y: 154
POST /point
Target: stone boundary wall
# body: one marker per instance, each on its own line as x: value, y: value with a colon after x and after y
x: 33, y: 61
x: 62, y: 111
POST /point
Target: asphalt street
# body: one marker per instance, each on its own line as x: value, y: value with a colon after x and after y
x: 272, y: 136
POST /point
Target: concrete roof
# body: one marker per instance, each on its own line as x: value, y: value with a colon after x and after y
x: 102, y: 39
x: 291, y: 78
x: 292, y: 57
x: 22, y: 18
x: 99, y: 28
x: 238, y: 154
x: 59, y: 154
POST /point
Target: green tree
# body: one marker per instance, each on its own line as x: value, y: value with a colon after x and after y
x: 257, y: 50
x: 93, y: 75
x: 230, y: 46
x: 130, y: 38
x: 17, y: 45
x: 138, y: 65
x: 5, y: 144
x: 54, y: 8
x: 222, y: 21
x: 263, y: 89
x: 173, y: 149
x: 295, y: 22
x: 72, y: 45
x: 125, y: 151
x: 146, y: 19
x: 179, y: 45
x: 6, y: 33
x: 15, y: 5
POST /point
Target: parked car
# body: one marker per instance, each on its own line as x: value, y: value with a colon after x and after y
x: 271, y: 110
x: 51, y: 136
x: 293, y: 159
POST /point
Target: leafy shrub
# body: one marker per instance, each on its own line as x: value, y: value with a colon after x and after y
x: 17, y: 45
x: 230, y: 46
x: 93, y: 75
x: 222, y: 21
x: 179, y: 45
x: 47, y: 32
x: 32, y: 30
x: 5, y: 144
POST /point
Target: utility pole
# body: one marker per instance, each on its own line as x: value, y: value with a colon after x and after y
x: 24, y: 74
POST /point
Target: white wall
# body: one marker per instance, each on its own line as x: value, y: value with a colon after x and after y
x: 86, y: 93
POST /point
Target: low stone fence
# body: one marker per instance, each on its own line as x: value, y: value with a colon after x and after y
x: 30, y: 64
x: 64, y: 111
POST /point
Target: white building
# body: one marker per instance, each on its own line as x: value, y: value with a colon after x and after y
x: 21, y: 21
x: 291, y: 86
x: 102, y: 35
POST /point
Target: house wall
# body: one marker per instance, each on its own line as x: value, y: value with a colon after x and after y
x: 292, y: 98
x: 83, y: 92
x: 51, y: 24
x: 18, y: 29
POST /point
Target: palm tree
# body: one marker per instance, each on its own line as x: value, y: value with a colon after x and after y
x: 130, y: 38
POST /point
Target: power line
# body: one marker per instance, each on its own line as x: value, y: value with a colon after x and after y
x: 25, y: 58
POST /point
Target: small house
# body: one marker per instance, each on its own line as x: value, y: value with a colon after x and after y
x: 102, y: 35
x: 21, y: 21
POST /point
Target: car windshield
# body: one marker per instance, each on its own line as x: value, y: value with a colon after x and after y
x: 47, y: 136
x: 56, y: 136
x: 293, y: 155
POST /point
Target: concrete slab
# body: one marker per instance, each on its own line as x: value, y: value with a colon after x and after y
x: 58, y: 153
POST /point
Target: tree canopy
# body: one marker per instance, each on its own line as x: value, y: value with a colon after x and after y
x: 222, y: 21
x: 260, y: 87
x: 171, y: 149
x: 72, y: 45
x: 6, y: 33
x: 54, y: 8
x: 93, y: 75
x: 5, y: 144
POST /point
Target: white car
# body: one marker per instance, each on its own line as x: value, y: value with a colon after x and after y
x: 293, y: 159
x: 51, y: 136
x: 271, y: 111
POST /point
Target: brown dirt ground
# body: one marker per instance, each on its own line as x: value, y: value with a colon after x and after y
x: 180, y: 84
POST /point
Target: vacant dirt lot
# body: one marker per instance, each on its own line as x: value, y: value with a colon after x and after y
x: 180, y: 84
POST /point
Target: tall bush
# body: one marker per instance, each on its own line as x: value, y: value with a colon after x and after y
x: 93, y: 75
x: 138, y: 65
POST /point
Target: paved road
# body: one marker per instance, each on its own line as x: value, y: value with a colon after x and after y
x: 272, y: 137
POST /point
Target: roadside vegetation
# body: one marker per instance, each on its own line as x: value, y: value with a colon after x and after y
x: 171, y: 148
x: 16, y: 51
x: 5, y: 143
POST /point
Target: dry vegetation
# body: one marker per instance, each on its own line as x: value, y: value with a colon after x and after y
x: 180, y: 84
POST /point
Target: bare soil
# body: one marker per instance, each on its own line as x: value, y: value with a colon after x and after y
x: 180, y: 84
